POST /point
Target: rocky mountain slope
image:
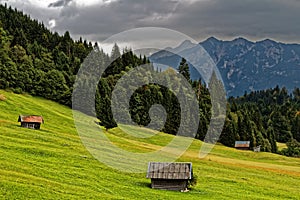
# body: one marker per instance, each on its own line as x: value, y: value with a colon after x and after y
x: 245, y: 65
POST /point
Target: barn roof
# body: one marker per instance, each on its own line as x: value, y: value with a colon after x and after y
x: 31, y: 118
x: 242, y: 144
x: 158, y: 170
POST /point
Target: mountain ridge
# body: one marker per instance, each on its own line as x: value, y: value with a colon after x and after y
x: 245, y: 65
x: 240, y: 38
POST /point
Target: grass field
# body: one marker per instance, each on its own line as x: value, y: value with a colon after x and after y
x: 52, y: 163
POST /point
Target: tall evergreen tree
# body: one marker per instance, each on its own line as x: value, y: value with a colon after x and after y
x: 184, y: 69
x: 115, y: 52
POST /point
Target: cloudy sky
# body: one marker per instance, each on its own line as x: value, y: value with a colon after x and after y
x: 97, y: 20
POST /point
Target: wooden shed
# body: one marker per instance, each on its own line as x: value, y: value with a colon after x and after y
x: 31, y: 121
x: 242, y: 145
x: 169, y: 176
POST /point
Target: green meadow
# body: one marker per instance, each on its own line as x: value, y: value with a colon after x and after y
x: 52, y: 163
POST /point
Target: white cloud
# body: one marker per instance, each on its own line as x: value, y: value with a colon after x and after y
x: 93, y: 2
x: 52, y: 23
x: 40, y: 3
x: 46, y: 3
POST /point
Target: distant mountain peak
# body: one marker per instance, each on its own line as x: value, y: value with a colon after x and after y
x: 211, y: 39
x: 267, y: 41
x: 187, y: 44
x: 240, y: 40
x: 247, y: 65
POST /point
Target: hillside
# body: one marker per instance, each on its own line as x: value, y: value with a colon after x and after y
x: 52, y: 163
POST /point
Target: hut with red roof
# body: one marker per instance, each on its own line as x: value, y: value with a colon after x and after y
x: 31, y: 121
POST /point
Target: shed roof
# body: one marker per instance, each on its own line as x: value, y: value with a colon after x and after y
x: 159, y: 170
x: 31, y: 118
x: 242, y: 144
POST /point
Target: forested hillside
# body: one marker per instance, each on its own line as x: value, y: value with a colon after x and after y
x: 272, y: 114
x: 263, y: 117
x: 147, y: 95
x: 36, y: 61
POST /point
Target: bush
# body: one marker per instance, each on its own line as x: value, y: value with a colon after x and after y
x: 193, y: 181
x: 18, y: 90
x: 293, y: 149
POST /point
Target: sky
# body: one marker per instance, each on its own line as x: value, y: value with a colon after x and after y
x: 97, y: 20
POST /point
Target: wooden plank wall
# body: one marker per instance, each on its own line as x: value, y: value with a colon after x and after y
x: 169, y: 184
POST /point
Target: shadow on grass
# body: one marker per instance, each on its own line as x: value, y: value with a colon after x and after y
x: 17, y: 126
x: 144, y: 184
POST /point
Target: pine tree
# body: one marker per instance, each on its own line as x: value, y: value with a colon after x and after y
x: 103, y: 105
x: 115, y: 52
x: 184, y: 69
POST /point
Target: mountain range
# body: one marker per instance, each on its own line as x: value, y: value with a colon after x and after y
x: 243, y: 65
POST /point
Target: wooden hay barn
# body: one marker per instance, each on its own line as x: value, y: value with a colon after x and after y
x: 169, y: 176
x: 31, y: 121
x: 242, y: 145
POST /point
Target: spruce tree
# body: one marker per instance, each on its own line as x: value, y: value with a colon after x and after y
x: 184, y: 69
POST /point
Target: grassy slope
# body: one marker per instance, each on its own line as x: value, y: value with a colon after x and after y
x: 52, y: 163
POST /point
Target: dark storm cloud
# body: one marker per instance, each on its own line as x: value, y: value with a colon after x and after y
x: 59, y: 3
x: 104, y: 20
x: 254, y: 19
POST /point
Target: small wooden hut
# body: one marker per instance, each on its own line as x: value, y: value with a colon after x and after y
x: 242, y: 145
x: 31, y: 121
x: 169, y: 176
x: 257, y: 149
